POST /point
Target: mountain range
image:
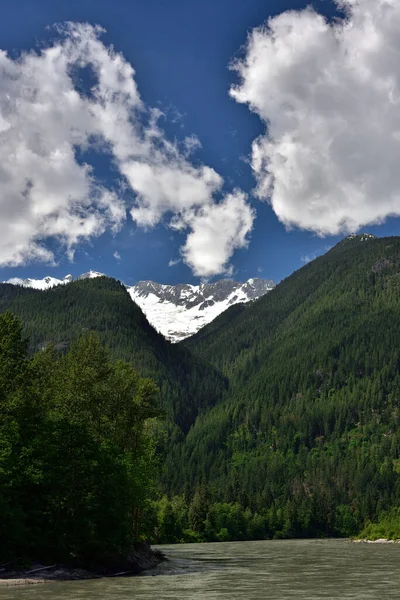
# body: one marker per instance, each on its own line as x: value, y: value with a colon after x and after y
x: 179, y: 311
x: 282, y: 416
x: 48, y: 282
x: 176, y: 311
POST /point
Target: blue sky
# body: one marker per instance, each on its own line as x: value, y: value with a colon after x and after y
x: 180, y: 51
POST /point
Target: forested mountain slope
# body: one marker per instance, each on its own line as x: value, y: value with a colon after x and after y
x: 323, y: 296
x: 308, y: 434
x: 60, y: 314
x: 288, y: 408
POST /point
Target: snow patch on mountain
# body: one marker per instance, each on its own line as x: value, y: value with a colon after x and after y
x: 361, y: 237
x: 180, y: 311
x: 40, y: 284
x: 91, y: 275
x: 49, y: 282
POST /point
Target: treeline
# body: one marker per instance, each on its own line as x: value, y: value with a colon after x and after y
x: 77, y: 452
x: 386, y: 527
x: 200, y: 519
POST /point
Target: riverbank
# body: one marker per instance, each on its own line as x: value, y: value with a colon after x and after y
x: 142, y: 558
x: 377, y: 541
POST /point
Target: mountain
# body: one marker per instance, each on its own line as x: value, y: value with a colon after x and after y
x: 61, y: 313
x: 49, y: 282
x: 282, y: 414
x: 91, y: 275
x: 179, y: 311
x: 306, y: 437
x: 39, y: 284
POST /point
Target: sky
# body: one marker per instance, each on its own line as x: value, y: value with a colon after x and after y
x: 184, y: 141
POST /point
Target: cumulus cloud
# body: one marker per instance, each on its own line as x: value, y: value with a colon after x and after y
x: 329, y: 95
x: 217, y: 230
x: 117, y: 255
x: 50, y: 125
x: 44, y: 191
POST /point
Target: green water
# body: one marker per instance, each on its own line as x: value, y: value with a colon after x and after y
x: 273, y: 570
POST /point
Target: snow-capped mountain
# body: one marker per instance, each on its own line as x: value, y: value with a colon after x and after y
x: 49, y: 282
x: 176, y: 311
x: 179, y: 311
x: 91, y: 275
x: 39, y: 284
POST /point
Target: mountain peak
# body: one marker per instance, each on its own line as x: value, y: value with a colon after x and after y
x: 353, y: 239
x: 90, y: 275
x: 38, y: 284
x: 49, y: 282
x: 361, y: 237
x: 179, y: 311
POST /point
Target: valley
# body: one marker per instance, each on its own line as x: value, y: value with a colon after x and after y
x: 280, y: 417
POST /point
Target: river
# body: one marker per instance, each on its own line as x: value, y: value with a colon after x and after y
x: 271, y: 570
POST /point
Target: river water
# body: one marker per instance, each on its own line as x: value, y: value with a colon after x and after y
x: 271, y: 570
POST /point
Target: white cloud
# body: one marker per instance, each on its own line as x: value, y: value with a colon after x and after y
x: 45, y: 123
x: 306, y: 258
x: 217, y: 230
x: 173, y: 262
x: 44, y: 191
x: 191, y: 143
x: 117, y: 255
x: 329, y: 95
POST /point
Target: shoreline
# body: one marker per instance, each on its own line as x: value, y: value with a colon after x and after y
x: 142, y: 558
x: 377, y: 541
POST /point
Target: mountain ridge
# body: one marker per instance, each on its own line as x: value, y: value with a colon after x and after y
x: 180, y: 311
x: 176, y: 311
x: 61, y: 314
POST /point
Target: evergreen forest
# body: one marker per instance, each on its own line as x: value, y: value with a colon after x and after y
x: 77, y: 454
x: 279, y: 419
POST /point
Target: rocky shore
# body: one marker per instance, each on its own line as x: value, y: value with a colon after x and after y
x: 378, y: 541
x: 141, y: 558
